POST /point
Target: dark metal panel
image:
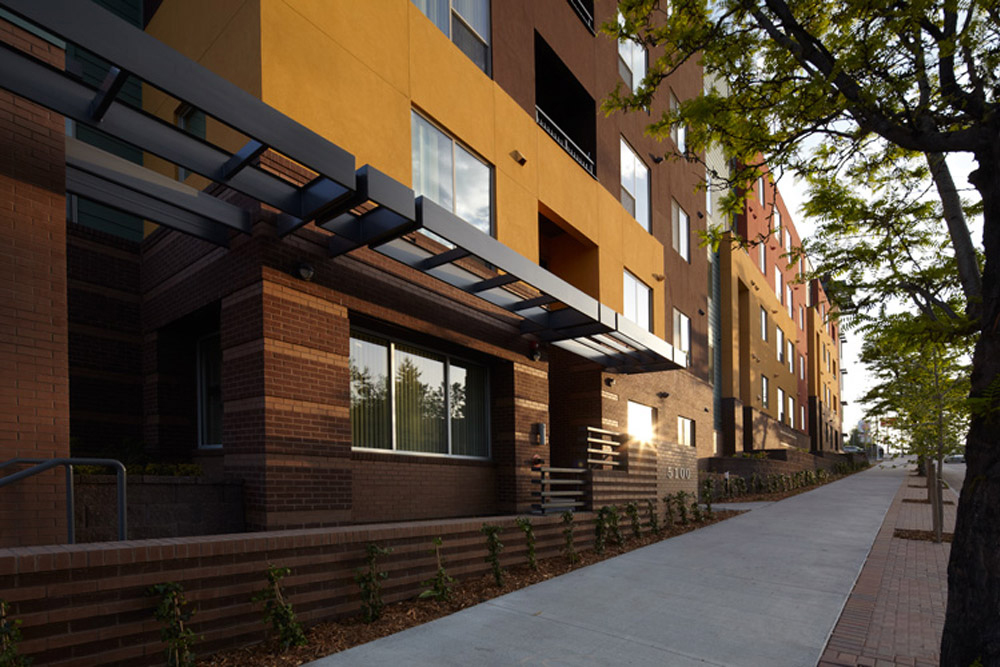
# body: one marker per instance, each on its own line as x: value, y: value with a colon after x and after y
x: 642, y: 338
x: 110, y: 194
x: 122, y: 172
x: 112, y: 84
x: 242, y: 159
x: 129, y: 48
x: 446, y: 257
x: 52, y: 89
x: 493, y: 283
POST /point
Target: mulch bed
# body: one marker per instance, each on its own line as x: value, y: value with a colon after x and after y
x: 334, y: 636
x: 926, y: 535
x: 917, y: 486
x: 924, y: 501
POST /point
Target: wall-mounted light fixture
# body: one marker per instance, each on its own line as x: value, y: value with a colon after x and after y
x: 536, y: 351
x: 609, y: 382
x: 304, y: 271
x: 518, y: 157
x: 662, y: 394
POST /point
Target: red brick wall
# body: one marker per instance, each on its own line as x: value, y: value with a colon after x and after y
x: 34, y: 387
x: 86, y: 604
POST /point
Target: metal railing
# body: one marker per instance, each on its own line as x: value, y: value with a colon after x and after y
x: 41, y: 465
x: 603, y: 448
x: 583, y: 13
x: 559, y: 489
x: 582, y: 158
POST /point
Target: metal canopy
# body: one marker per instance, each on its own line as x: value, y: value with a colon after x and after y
x: 361, y: 208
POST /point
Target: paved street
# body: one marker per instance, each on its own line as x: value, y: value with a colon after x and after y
x: 765, y: 588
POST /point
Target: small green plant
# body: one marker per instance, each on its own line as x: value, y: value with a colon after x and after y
x: 682, y: 509
x: 614, y: 527
x: 279, y: 612
x: 440, y: 584
x: 524, y: 523
x: 370, y: 581
x: 668, y: 503
x: 175, y: 633
x: 494, y: 546
x: 568, y: 547
x: 654, y: 520
x: 601, y: 530
x: 708, y: 489
x: 10, y: 635
x: 696, y: 511
x: 632, y: 510
x: 755, y: 484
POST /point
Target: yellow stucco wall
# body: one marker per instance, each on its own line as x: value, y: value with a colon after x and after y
x: 352, y: 71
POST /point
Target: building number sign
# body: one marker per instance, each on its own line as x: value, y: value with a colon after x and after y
x: 678, y: 473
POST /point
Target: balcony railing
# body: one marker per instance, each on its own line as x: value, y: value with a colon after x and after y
x: 582, y: 158
x: 584, y: 14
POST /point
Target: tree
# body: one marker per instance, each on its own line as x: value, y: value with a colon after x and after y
x: 922, y: 380
x: 810, y: 83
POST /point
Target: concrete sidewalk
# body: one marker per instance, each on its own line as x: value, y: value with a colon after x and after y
x: 764, y: 588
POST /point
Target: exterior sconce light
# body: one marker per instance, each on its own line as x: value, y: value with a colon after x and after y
x: 518, y: 157
x: 662, y: 394
x: 536, y: 351
x: 659, y: 277
x: 305, y: 271
x: 609, y: 382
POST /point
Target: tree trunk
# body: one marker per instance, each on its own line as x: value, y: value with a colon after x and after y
x: 972, y: 627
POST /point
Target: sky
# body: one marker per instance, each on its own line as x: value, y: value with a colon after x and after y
x: 857, y: 380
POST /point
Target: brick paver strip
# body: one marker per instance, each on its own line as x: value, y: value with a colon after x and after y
x: 895, y: 614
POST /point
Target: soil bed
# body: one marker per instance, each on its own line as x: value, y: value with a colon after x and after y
x: 334, y: 636
x: 926, y: 535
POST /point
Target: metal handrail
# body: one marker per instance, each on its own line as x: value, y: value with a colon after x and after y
x: 584, y: 15
x: 41, y: 465
x: 553, y: 130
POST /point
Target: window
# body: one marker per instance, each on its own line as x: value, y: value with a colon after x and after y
x: 777, y: 226
x: 763, y: 324
x: 638, y: 302
x: 208, y: 355
x: 760, y: 189
x: 681, y: 232
x: 193, y: 122
x: 641, y: 422
x: 762, y: 257
x: 780, y: 343
x: 765, y: 391
x: 789, y: 303
x: 802, y: 417
x: 678, y: 131
x: 408, y: 399
x: 631, y: 61
x: 802, y: 317
x: 778, y: 291
x: 466, y: 23
x: 682, y: 332
x: 685, y: 432
x: 788, y: 239
x: 791, y: 411
x: 709, y: 204
x: 791, y: 357
x: 781, y: 405
x: 451, y: 176
x: 635, y: 185
x: 802, y: 367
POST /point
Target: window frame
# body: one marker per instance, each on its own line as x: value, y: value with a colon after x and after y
x: 456, y: 144
x: 779, y: 341
x: 653, y: 420
x: 200, y: 391
x: 391, y: 343
x: 647, y: 223
x: 682, y: 330
x: 763, y: 324
x: 626, y: 275
x: 680, y: 238
x: 765, y: 391
x: 781, y: 405
x: 686, y: 434
x: 486, y: 41
x: 631, y: 45
x: 678, y: 131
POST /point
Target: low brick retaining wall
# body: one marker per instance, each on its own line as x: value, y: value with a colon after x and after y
x: 158, y: 506
x: 86, y: 603
x: 779, y: 462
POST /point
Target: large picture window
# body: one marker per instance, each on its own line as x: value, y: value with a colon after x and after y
x: 408, y: 399
x: 631, y: 61
x: 451, y: 176
x: 638, y: 301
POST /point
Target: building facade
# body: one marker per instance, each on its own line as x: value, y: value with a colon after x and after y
x: 511, y: 281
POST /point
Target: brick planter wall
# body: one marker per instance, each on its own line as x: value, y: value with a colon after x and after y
x: 86, y: 603
x: 779, y: 462
x: 157, y: 507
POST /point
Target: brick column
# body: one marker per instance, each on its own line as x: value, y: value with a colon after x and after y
x: 34, y: 374
x: 285, y: 386
x: 520, y: 396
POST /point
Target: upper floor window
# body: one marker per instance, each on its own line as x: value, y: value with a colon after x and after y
x: 678, y: 131
x: 638, y: 302
x: 631, y: 61
x: 408, y: 399
x: 641, y: 422
x: 791, y: 411
x: 789, y: 302
x: 788, y: 239
x: 781, y: 405
x: 762, y: 257
x: 467, y: 24
x: 685, y: 432
x: 760, y: 189
x: 777, y: 227
x: 635, y: 185
x: 802, y: 367
x: 780, y: 343
x: 765, y: 391
x: 682, y: 332
x: 791, y: 357
x: 778, y: 291
x: 802, y: 316
x: 763, y: 324
x: 681, y: 232
x: 709, y: 203
x: 451, y: 176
